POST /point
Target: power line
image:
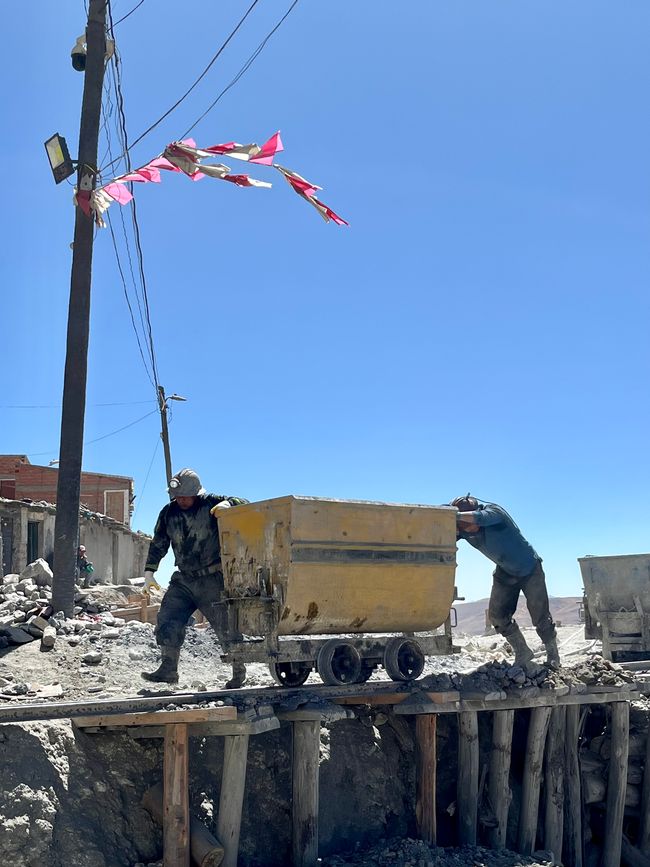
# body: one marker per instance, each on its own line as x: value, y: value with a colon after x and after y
x: 191, y: 88
x: 124, y: 17
x: 244, y: 68
x: 146, y: 478
x: 58, y: 405
x: 104, y: 437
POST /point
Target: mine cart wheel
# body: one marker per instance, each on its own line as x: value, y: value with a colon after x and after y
x: 290, y: 673
x: 403, y: 659
x: 338, y: 662
x: 367, y: 668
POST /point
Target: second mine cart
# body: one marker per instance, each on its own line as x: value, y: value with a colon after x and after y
x: 342, y: 586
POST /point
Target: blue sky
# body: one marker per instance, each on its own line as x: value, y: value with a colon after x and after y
x: 483, y: 323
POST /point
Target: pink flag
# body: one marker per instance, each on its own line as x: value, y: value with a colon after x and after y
x: 268, y: 150
x: 245, y: 181
x: 162, y: 163
x: 118, y: 192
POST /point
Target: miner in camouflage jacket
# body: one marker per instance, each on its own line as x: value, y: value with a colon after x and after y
x: 189, y: 524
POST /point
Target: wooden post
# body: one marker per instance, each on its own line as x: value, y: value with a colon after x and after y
x: 554, y: 776
x: 231, y: 797
x: 617, y: 781
x: 176, y: 819
x: 499, y: 774
x: 644, y: 829
x: 425, y: 804
x: 306, y: 750
x: 539, y: 718
x: 467, y: 788
x: 205, y: 849
x: 573, y: 790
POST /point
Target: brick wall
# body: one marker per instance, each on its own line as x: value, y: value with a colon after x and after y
x: 39, y: 483
x: 8, y: 464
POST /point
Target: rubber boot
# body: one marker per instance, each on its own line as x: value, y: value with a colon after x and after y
x: 523, y: 653
x: 552, y: 653
x: 238, y: 676
x: 167, y: 671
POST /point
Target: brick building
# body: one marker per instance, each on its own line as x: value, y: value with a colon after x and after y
x: 100, y: 493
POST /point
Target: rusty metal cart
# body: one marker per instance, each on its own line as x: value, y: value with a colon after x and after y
x: 338, y: 585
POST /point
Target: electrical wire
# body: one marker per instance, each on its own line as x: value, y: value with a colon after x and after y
x: 58, y: 405
x: 192, y: 86
x: 146, y: 478
x: 247, y: 65
x: 103, y: 437
x: 124, y: 17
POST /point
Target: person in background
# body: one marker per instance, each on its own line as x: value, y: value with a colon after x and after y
x: 85, y: 568
x: 491, y: 530
x: 189, y: 524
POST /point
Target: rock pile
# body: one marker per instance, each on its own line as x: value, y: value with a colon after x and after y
x: 415, y: 853
x: 26, y: 611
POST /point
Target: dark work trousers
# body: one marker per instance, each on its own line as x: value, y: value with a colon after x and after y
x: 183, y: 597
x: 504, y: 598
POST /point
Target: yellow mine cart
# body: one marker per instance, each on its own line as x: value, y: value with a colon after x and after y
x: 299, y: 567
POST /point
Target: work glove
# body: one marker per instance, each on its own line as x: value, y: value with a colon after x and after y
x: 224, y: 504
x: 150, y: 581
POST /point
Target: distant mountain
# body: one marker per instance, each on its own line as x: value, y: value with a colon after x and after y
x: 471, y: 615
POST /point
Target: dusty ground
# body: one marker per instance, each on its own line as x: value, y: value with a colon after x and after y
x: 27, y: 668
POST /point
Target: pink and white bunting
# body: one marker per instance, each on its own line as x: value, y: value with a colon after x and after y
x: 186, y: 158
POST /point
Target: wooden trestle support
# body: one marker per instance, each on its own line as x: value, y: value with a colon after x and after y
x: 551, y: 756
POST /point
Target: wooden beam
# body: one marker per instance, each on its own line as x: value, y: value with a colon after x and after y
x: 554, y: 763
x: 467, y: 789
x: 632, y: 856
x: 231, y: 796
x: 644, y: 829
x: 537, y: 727
x: 616, y: 782
x: 159, y: 717
x: 306, y: 751
x: 499, y: 775
x: 572, y: 790
x: 176, y: 817
x: 425, y: 804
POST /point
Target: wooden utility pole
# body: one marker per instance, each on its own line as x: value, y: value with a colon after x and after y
x: 164, y: 432
x: 66, y: 531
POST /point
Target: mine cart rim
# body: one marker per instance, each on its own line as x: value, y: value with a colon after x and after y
x: 403, y: 659
x: 338, y: 662
x: 290, y: 673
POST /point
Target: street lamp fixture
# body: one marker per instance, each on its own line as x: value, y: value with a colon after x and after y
x: 59, y: 158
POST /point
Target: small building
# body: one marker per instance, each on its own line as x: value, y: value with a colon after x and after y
x: 27, y: 533
x: 100, y: 493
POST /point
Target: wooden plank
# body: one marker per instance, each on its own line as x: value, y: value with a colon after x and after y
x: 198, y: 730
x: 369, y: 699
x: 159, y: 717
x: 572, y: 790
x: 425, y: 804
x: 499, y: 792
x: 547, y: 699
x: 537, y: 727
x: 632, y: 856
x: 306, y: 748
x: 467, y: 789
x: 644, y: 827
x: 176, y: 817
x: 554, y: 763
x: 231, y: 796
x: 616, y: 782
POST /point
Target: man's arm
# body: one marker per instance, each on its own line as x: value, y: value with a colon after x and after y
x: 217, y: 501
x: 160, y: 542
x: 485, y: 517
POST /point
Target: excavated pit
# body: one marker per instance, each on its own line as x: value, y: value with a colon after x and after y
x: 73, y: 799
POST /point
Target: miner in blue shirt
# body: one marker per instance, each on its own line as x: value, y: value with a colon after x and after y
x: 491, y: 530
